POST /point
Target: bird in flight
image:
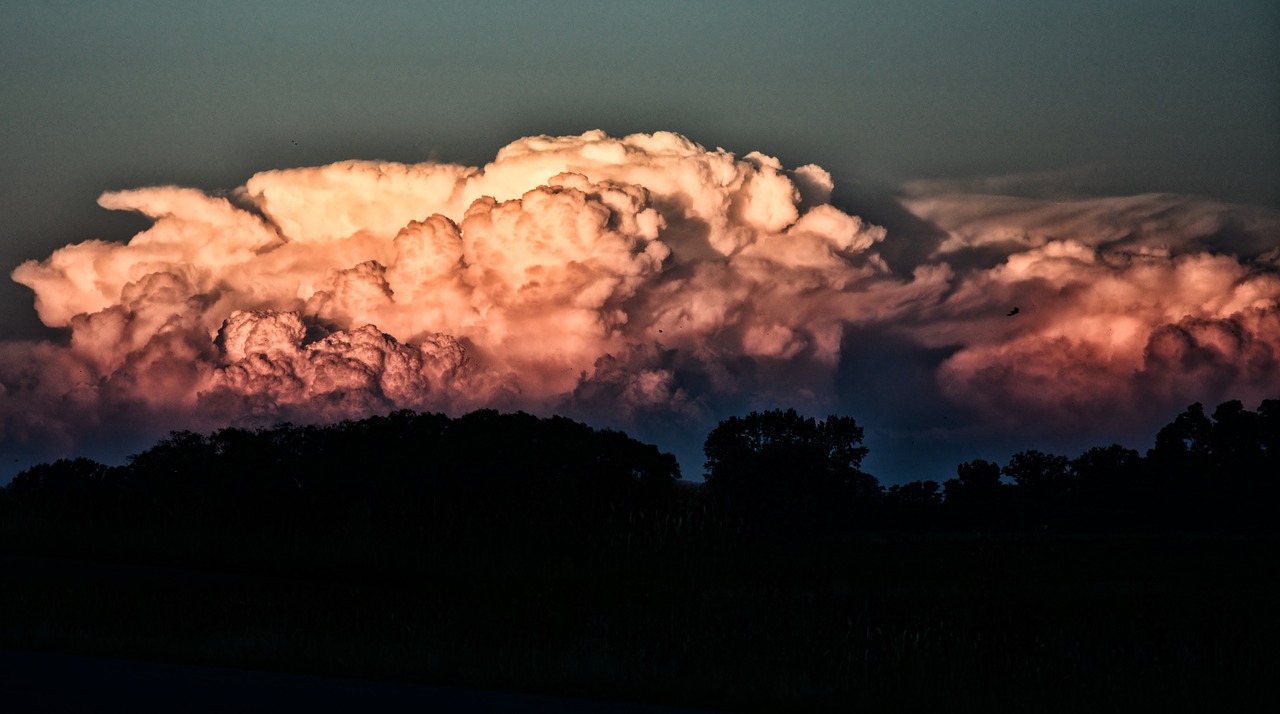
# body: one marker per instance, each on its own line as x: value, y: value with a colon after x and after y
x: 1012, y: 312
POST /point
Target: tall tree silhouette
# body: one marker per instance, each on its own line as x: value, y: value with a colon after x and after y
x: 1112, y: 487
x: 975, y: 497
x: 780, y: 468
x: 1044, y: 485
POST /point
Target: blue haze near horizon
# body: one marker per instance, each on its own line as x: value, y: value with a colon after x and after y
x: 1144, y: 96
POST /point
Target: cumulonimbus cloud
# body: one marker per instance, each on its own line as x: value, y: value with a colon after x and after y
x: 635, y: 277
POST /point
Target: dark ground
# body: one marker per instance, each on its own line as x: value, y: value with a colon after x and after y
x: 52, y: 682
x: 876, y: 624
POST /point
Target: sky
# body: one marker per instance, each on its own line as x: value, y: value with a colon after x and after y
x: 921, y: 169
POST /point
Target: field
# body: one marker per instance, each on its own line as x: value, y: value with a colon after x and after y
x: 874, y: 622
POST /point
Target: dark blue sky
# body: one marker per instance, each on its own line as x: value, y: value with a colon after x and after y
x: 1085, y: 98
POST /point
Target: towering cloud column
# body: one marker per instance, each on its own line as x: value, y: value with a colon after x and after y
x: 624, y: 279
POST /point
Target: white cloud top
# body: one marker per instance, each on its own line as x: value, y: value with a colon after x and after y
x: 626, y: 277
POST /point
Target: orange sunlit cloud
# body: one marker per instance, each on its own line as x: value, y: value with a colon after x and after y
x: 635, y: 275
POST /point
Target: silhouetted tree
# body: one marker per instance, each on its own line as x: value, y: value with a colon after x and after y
x: 1105, y: 465
x: 974, y: 479
x: 832, y: 447
x: 787, y: 470
x: 913, y: 505
x: 402, y: 483
x: 1184, y: 446
x: 914, y: 494
x: 1268, y: 425
x: 64, y: 477
x: 1039, y: 473
x: 1219, y: 472
x: 975, y: 497
x: 1043, y: 485
x: 1111, y: 487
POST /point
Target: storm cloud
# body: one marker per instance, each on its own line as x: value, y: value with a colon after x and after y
x: 643, y: 280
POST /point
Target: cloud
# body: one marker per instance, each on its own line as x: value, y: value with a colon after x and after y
x: 1148, y: 223
x: 1125, y: 308
x: 336, y: 291
x: 635, y: 280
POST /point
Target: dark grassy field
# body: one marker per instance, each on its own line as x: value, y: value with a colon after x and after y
x: 876, y: 623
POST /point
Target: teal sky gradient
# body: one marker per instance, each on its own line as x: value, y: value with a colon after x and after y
x: 1093, y: 97
x: 1169, y: 96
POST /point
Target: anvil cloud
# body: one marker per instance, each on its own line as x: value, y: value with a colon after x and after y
x: 630, y: 281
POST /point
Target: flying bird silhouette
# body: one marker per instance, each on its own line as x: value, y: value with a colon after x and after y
x: 1012, y: 312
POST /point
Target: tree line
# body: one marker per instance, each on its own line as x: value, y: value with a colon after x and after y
x: 489, y: 478
x: 1215, y: 472
x: 388, y: 488
x: 505, y: 551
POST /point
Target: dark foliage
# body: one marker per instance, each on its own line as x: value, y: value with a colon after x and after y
x: 492, y: 475
x: 784, y: 472
x: 787, y: 474
x: 505, y: 550
x: 403, y: 486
